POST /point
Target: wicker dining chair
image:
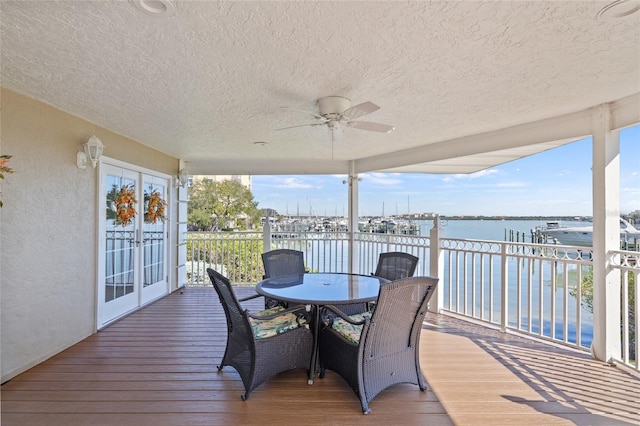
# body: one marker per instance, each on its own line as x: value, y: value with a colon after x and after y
x: 278, y: 263
x: 391, y: 266
x: 263, y: 344
x: 395, y: 265
x: 283, y: 262
x: 373, y: 351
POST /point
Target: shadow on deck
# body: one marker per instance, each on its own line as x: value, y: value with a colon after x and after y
x: 158, y: 367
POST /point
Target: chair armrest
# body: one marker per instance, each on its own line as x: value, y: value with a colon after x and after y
x: 344, y: 316
x: 253, y: 296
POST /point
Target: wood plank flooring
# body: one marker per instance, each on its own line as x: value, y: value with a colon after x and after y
x: 158, y: 367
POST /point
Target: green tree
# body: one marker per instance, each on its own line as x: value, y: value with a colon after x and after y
x: 587, y: 291
x: 221, y: 206
x: 587, y: 302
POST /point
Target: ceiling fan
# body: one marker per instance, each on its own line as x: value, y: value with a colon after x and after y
x: 335, y: 112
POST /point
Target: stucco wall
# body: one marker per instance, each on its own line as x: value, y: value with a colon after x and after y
x: 48, y: 244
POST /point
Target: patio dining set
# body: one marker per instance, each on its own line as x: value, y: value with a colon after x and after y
x: 366, y: 328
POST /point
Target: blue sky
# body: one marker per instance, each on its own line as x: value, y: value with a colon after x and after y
x: 556, y: 182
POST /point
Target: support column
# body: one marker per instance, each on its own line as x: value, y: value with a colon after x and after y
x: 436, y: 265
x: 606, y: 236
x: 266, y: 235
x: 179, y: 277
x: 352, y: 180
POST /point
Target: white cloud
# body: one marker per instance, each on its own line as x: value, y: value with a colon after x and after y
x: 385, y: 179
x: 476, y: 175
x: 295, y: 183
x: 483, y: 173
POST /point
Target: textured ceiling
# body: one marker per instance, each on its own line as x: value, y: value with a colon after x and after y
x: 206, y: 82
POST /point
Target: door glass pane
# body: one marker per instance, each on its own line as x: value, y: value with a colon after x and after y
x: 154, y: 233
x: 120, y: 241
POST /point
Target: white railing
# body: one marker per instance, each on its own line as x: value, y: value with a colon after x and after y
x: 536, y: 289
x: 628, y: 263
x: 323, y: 251
x: 233, y: 254
x: 531, y: 288
x: 370, y: 245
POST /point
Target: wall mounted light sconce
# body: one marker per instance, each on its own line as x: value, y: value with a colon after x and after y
x: 350, y: 179
x: 92, y: 152
x: 182, y: 179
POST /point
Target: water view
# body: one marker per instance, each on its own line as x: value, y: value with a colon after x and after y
x: 538, y: 281
x: 541, y: 290
x: 494, y: 230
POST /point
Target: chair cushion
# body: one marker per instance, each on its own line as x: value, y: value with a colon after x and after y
x: 349, y: 331
x: 263, y: 329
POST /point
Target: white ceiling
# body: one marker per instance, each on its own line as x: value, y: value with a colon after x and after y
x: 206, y: 82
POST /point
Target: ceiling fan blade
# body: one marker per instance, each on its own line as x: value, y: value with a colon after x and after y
x: 319, y: 117
x: 302, y: 125
x: 373, y: 127
x: 360, y: 110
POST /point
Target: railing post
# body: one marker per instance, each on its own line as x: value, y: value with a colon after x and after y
x: 181, y: 235
x: 504, y: 285
x: 352, y: 180
x: 266, y: 235
x: 436, y: 265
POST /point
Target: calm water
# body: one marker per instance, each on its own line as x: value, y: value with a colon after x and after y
x: 501, y: 230
x: 495, y: 230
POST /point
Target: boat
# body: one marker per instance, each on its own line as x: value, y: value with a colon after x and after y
x: 554, y: 232
x: 388, y: 225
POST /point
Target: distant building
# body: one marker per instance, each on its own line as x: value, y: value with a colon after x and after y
x: 243, y: 179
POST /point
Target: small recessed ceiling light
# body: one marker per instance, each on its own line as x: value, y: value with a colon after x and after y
x: 162, y: 8
x: 618, y: 9
x: 260, y: 143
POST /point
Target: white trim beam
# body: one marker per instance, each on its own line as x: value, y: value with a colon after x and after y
x: 266, y: 166
x: 461, y: 155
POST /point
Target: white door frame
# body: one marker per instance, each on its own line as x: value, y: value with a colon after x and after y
x: 107, y: 314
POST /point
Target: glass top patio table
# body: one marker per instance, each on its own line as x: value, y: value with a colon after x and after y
x: 322, y: 288
x: 318, y: 289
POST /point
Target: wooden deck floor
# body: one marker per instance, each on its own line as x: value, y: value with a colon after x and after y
x: 158, y: 367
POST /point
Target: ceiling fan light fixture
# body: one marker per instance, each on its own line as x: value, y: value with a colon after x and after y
x: 618, y: 9
x: 333, y: 105
x: 156, y: 8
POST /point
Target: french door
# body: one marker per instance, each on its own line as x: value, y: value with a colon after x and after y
x: 133, y: 241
